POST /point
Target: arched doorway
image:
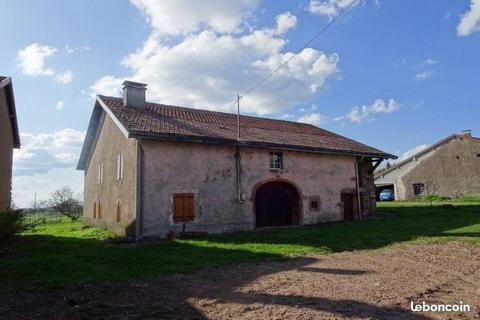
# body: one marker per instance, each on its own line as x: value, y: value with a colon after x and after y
x: 276, y: 204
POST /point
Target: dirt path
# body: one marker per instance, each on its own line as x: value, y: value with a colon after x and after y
x: 351, y: 285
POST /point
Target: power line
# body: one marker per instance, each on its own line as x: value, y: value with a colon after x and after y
x: 298, y: 52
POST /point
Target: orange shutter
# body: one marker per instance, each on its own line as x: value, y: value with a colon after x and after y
x: 183, y: 207
x: 119, y: 212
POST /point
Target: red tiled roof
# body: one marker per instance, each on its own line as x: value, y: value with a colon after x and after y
x: 171, y: 122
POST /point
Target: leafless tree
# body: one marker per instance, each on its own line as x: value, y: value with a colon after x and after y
x: 66, y: 202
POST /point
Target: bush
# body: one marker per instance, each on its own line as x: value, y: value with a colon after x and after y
x: 469, y: 198
x: 11, y: 223
x: 434, y: 198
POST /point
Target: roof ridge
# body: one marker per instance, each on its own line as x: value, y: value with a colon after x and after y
x: 223, y: 113
x: 423, y: 151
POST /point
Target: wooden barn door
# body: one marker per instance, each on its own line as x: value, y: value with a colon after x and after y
x: 349, y: 205
x: 276, y: 204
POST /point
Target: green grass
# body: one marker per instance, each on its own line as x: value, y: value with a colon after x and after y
x: 69, y: 253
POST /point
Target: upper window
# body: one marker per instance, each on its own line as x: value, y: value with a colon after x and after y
x: 120, y: 166
x: 418, y: 189
x: 183, y: 207
x: 276, y: 160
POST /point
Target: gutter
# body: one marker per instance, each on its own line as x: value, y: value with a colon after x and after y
x: 239, y: 172
x: 140, y: 189
x: 263, y: 145
x: 358, y: 190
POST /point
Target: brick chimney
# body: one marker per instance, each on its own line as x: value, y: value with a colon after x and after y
x: 467, y: 132
x: 134, y: 94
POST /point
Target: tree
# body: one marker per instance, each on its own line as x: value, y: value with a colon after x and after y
x: 64, y: 201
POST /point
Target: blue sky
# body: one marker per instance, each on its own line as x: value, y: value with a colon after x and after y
x: 397, y: 75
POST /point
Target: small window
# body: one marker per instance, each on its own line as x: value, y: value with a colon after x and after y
x: 418, y: 189
x: 100, y: 173
x: 276, y: 160
x: 183, y: 207
x: 119, y: 212
x: 458, y: 157
x: 314, y: 203
x: 478, y: 155
x: 95, y: 210
x: 99, y: 210
x: 120, y: 166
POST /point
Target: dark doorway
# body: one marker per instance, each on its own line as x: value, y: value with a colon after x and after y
x: 349, y: 205
x: 276, y: 204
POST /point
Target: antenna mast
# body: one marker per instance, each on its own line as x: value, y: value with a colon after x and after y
x: 238, y: 116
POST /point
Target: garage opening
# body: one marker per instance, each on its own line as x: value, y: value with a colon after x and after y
x: 277, y: 204
x: 380, y: 188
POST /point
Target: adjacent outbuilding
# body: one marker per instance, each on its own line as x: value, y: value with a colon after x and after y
x: 449, y: 168
x: 9, y: 139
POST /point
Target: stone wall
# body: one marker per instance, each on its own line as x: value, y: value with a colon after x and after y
x: 209, y: 171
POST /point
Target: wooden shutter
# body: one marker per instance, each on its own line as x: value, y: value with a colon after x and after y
x: 183, y: 207
x: 99, y: 210
x: 119, y: 212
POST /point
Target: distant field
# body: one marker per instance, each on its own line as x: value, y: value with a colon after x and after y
x: 64, y: 253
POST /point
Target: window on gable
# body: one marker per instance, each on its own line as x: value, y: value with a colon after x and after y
x: 276, y: 160
x: 418, y: 189
x: 120, y: 166
x: 100, y: 173
x: 183, y: 207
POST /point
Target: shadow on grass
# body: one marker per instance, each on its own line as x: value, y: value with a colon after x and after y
x: 43, y: 261
x: 407, y: 224
x: 171, y: 298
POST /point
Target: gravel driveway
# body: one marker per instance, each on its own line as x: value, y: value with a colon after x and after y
x: 378, y: 284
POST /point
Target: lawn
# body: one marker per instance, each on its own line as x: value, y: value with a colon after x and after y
x: 68, y: 253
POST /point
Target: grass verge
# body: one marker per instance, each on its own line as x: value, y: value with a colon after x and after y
x: 69, y: 253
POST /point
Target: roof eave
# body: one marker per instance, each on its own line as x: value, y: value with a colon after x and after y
x: 8, y: 85
x: 252, y: 144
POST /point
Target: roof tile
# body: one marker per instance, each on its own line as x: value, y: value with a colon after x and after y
x: 162, y: 121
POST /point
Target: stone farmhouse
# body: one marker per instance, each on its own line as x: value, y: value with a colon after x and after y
x: 151, y: 169
x: 450, y: 168
x: 9, y: 139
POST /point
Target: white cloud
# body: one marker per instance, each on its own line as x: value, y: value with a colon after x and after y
x: 423, y: 75
x: 46, y: 151
x: 65, y: 77
x: 314, y: 118
x: 25, y: 187
x: 428, y: 62
x: 207, y: 68
x: 173, y: 17
x: 330, y: 8
x: 285, y: 22
x: 32, y: 59
x: 411, y: 152
x: 470, y: 20
x: 107, y: 85
x: 59, y: 105
x: 359, y: 114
